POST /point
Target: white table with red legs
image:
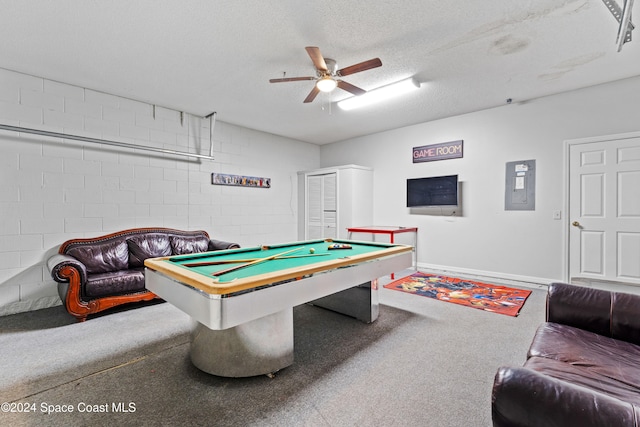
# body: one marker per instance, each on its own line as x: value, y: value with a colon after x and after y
x: 391, y: 231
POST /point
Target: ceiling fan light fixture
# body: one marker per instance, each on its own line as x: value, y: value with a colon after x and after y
x: 326, y: 84
x: 383, y: 93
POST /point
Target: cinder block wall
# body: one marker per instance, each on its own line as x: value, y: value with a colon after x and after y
x: 52, y: 190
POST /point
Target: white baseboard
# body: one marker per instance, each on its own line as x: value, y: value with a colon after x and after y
x: 505, y: 278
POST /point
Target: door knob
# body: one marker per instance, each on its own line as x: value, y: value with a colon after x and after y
x: 575, y: 224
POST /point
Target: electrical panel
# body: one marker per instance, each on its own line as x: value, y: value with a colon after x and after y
x: 520, y: 186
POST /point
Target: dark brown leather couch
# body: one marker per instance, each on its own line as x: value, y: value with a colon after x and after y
x: 583, y: 366
x: 103, y: 272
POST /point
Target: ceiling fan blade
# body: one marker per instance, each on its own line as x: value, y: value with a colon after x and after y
x: 351, y: 88
x: 317, y: 58
x: 291, y: 79
x: 362, y: 66
x: 312, y: 95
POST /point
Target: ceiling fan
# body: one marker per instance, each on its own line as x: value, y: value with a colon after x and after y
x: 327, y: 77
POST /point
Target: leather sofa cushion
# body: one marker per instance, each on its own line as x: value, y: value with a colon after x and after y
x: 584, y: 377
x: 596, y: 354
x: 115, y: 283
x: 150, y: 245
x: 524, y: 397
x: 102, y: 257
x: 612, y: 314
x: 189, y: 244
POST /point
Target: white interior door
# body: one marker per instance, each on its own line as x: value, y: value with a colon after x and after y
x: 604, y: 210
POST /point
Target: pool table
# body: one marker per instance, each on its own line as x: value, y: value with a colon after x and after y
x: 242, y: 299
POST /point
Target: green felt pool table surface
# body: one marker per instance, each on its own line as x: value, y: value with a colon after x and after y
x: 292, y: 261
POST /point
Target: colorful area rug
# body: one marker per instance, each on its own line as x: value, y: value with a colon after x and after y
x: 483, y: 296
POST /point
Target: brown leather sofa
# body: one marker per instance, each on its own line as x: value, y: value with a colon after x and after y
x: 103, y: 272
x: 583, y: 366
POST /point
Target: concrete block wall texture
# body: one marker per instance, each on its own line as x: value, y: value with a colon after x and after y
x: 53, y: 189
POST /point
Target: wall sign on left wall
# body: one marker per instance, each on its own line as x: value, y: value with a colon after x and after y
x: 240, y: 180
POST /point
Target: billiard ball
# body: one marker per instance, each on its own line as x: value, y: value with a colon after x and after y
x: 312, y: 250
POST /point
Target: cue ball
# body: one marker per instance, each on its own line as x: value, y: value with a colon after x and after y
x: 311, y: 250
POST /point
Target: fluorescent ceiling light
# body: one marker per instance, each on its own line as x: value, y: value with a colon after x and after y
x: 380, y: 94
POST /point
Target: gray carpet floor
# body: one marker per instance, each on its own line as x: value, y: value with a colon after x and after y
x: 422, y: 363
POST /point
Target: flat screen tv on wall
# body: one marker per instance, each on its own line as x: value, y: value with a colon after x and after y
x: 432, y: 191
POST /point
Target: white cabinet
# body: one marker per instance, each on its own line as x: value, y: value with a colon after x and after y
x: 332, y: 199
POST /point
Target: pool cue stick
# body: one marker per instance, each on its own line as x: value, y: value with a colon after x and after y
x: 226, y: 261
x: 301, y: 256
x: 236, y: 261
x: 248, y: 264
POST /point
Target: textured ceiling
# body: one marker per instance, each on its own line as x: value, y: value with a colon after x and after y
x: 201, y: 56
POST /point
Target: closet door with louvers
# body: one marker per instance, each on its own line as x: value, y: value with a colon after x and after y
x: 322, y: 206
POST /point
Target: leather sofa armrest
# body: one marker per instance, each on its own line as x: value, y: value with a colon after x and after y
x: 526, y: 398
x: 70, y: 274
x: 612, y: 314
x: 217, y: 245
x: 57, y: 262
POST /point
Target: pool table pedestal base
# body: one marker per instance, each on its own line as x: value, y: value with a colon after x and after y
x: 360, y: 302
x: 264, y: 346
x: 257, y: 347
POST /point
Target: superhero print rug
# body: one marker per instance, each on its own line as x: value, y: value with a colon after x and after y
x: 483, y: 296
